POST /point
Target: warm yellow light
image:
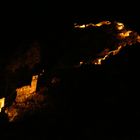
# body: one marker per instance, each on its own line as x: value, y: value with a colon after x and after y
x: 98, y: 24
x: 120, y: 26
x: 29, y: 88
x: 103, y: 23
x: 125, y: 34
x: 79, y: 26
x: 122, y: 35
x: 90, y: 25
x: 93, y: 25
x: 138, y: 38
x: 2, y: 101
x: 81, y: 62
x: 98, y: 61
x: 117, y: 50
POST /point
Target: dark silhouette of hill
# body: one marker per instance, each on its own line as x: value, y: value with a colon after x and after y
x: 90, y: 102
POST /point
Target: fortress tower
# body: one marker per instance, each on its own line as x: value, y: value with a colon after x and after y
x: 34, y: 83
x: 29, y: 88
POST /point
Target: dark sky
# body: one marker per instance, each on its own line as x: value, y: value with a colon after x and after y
x: 29, y: 21
x: 35, y: 25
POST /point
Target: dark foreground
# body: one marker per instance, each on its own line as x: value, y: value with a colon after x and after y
x: 91, y: 102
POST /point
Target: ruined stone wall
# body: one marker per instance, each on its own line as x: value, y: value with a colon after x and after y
x: 24, y: 92
x: 34, y: 83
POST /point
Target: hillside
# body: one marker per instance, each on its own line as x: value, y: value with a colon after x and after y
x: 81, y: 101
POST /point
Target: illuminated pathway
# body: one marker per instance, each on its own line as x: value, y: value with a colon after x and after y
x: 124, y: 36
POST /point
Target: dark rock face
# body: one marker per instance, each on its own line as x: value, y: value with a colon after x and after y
x: 89, y: 102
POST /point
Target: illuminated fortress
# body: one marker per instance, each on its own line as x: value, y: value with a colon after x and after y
x: 29, y: 88
x: 24, y: 92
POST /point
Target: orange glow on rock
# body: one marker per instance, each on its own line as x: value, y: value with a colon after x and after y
x: 123, y: 35
x: 2, y: 102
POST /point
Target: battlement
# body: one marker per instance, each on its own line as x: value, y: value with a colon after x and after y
x: 29, y: 88
x: 33, y: 84
x: 24, y: 92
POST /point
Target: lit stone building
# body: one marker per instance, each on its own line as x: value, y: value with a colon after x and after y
x: 24, y: 92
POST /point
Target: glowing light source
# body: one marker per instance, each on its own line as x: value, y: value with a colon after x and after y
x: 92, y: 25
x: 123, y: 35
x: 120, y: 26
x: 80, y: 26
x: 2, y: 101
x: 81, y: 62
x: 102, y: 23
x: 138, y: 38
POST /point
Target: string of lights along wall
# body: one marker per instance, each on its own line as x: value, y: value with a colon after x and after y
x: 124, y: 36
